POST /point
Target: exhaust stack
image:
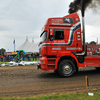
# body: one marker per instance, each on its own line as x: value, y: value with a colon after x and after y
x: 83, y: 24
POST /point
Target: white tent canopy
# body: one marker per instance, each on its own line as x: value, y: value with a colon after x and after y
x: 29, y: 47
x: 34, y: 48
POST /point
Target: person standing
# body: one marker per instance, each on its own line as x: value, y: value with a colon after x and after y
x: 33, y: 56
x: 2, y: 57
x: 29, y: 58
x: 7, y: 58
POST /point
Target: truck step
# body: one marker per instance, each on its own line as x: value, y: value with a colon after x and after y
x: 51, y: 58
x: 51, y: 65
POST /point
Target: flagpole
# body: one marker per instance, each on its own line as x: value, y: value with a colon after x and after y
x: 14, y: 45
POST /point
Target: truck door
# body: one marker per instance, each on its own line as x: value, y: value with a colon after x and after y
x: 55, y: 41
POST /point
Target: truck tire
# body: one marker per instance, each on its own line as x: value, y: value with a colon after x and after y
x: 66, y: 68
x: 97, y: 68
x: 56, y: 71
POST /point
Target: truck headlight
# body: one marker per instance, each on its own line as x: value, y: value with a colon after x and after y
x: 43, y: 62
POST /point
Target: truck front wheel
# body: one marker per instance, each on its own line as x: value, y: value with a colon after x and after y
x: 66, y: 68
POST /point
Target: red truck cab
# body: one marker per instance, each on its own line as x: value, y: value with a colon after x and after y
x: 61, y: 47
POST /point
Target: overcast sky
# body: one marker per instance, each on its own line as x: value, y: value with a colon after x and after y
x: 21, y: 18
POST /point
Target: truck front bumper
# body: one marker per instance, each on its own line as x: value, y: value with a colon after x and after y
x: 45, y: 65
x: 42, y: 63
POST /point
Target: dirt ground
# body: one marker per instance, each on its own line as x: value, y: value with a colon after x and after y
x: 27, y: 81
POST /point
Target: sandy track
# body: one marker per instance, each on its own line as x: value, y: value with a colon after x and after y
x: 24, y: 81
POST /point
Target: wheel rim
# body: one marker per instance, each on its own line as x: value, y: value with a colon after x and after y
x: 67, y: 68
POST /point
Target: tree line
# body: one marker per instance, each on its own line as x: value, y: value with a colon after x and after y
x: 2, y: 51
x: 92, y: 42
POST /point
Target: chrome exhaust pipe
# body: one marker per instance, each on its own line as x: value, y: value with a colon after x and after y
x: 83, y: 24
x: 83, y: 53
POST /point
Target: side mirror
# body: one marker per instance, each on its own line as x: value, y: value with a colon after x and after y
x: 51, y: 32
x: 51, y: 38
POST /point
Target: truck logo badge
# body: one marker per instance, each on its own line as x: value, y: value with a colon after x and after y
x: 67, y: 20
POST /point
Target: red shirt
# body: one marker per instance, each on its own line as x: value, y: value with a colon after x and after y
x: 1, y: 56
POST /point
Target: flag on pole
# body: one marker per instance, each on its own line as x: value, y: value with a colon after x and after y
x: 14, y: 41
x: 14, y: 45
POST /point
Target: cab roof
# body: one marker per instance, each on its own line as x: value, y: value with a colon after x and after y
x: 65, y: 21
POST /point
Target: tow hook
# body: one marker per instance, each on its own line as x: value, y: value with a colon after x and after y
x: 38, y: 67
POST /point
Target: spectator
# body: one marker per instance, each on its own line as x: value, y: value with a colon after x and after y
x: 11, y: 58
x: 7, y: 58
x: 29, y: 58
x: 33, y: 56
x: 37, y: 56
x: 17, y: 58
x: 1, y: 57
x: 23, y: 56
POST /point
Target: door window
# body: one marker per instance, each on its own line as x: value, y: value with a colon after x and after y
x: 59, y: 35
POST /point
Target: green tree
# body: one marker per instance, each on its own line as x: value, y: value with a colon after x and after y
x: 92, y: 42
x: 86, y: 43
x: 2, y: 51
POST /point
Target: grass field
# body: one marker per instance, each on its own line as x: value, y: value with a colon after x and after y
x: 73, y: 96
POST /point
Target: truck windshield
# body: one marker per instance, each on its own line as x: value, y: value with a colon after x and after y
x: 43, y: 36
